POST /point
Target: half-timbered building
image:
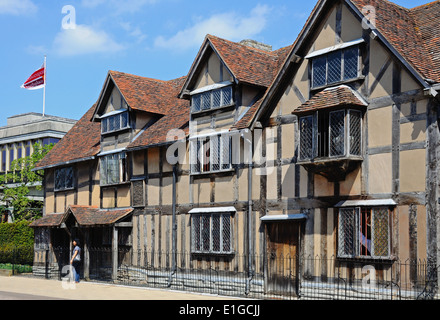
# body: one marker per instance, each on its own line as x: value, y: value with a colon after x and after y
x: 323, y: 152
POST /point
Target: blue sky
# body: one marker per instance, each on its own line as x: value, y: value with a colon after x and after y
x: 151, y: 38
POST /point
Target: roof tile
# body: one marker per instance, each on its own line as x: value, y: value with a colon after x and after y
x: 332, y: 97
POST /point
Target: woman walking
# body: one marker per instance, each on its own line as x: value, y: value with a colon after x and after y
x: 76, y: 259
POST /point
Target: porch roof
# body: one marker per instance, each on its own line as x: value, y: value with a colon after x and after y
x: 332, y: 97
x: 85, y: 216
x: 93, y: 216
x: 50, y: 220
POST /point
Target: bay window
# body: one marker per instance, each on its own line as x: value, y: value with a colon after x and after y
x: 327, y: 134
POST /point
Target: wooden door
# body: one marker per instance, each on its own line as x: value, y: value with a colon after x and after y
x: 282, y: 258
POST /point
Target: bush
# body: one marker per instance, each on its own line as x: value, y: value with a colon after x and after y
x: 18, y: 234
x: 16, y: 243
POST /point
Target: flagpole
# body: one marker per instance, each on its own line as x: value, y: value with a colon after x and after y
x: 44, y: 90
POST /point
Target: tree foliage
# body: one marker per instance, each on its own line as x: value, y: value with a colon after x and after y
x: 15, y: 185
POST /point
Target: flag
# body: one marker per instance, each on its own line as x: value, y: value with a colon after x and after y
x: 37, y: 80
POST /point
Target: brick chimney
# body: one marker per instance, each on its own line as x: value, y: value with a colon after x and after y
x: 257, y: 45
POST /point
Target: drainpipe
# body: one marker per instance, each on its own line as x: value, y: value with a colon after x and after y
x: 248, y: 140
x: 174, y: 229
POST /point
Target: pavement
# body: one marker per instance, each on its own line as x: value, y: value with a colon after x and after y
x: 29, y: 288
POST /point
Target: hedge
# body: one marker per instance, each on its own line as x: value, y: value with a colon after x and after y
x: 18, y: 234
x: 16, y: 243
x: 22, y: 255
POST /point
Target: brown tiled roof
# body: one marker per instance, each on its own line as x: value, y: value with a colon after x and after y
x: 50, y: 220
x: 414, y: 33
x: 146, y: 94
x: 93, y: 216
x: 427, y: 19
x: 86, y: 216
x: 249, y: 65
x: 82, y: 141
x: 176, y: 117
x: 332, y: 97
x: 244, y: 122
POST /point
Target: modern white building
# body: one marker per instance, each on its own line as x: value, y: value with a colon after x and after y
x: 22, y: 132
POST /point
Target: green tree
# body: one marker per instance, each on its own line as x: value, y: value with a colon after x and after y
x: 15, y: 185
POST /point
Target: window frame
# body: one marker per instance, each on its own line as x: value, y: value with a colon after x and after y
x: 105, y: 122
x: 198, y: 154
x: 342, y: 69
x: 318, y: 130
x: 201, y: 96
x: 121, y: 169
x: 199, y: 231
x: 359, y: 241
x: 65, y: 187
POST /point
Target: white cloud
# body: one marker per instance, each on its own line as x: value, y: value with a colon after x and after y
x: 230, y: 25
x: 84, y: 40
x: 17, y: 7
x: 133, y: 31
x: 119, y: 7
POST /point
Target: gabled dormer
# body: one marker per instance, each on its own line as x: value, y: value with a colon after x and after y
x: 225, y: 81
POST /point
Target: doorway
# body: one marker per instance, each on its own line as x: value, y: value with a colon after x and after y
x: 282, y: 258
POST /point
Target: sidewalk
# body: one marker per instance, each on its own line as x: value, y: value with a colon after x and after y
x: 92, y: 291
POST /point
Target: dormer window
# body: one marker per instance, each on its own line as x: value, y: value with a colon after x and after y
x: 212, y: 97
x: 335, y: 65
x: 115, y: 121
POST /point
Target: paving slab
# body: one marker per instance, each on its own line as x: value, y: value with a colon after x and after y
x: 55, y: 289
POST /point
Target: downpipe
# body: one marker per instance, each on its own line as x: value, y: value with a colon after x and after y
x: 250, y: 234
x: 174, y: 230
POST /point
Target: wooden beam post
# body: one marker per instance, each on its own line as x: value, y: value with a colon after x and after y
x: 86, y: 254
x: 115, y: 253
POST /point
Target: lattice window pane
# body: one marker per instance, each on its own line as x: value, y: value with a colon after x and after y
x: 69, y: 178
x: 216, y: 239
x: 206, y: 100
x: 227, y: 96
x: 226, y: 233
x: 348, y: 228
x: 112, y: 169
x: 319, y: 67
x: 111, y: 124
x: 381, y: 236
x: 196, y: 227
x: 351, y: 61
x: 124, y: 120
x: 104, y: 125
x: 215, y: 153
x: 196, y: 103
x: 60, y: 175
x: 205, y: 156
x: 334, y: 61
x: 195, y: 162
x: 306, y: 137
x: 205, y: 233
x: 117, y: 120
x: 337, y: 133
x: 103, y: 170
x: 216, y: 98
x: 355, y: 132
x: 226, y: 152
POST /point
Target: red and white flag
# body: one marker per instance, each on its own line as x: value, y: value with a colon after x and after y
x: 37, y: 80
